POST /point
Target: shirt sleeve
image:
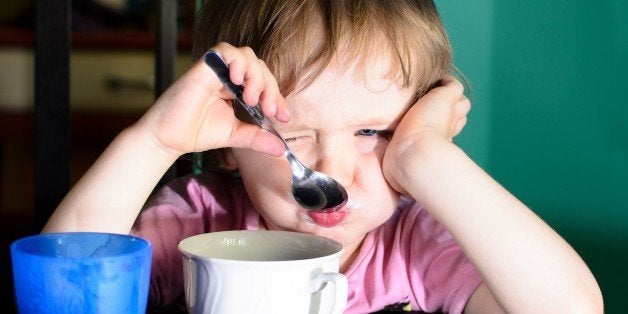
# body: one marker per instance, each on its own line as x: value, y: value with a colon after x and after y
x: 443, y: 279
x: 410, y: 263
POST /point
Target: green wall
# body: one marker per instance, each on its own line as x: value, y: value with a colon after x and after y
x: 548, y: 82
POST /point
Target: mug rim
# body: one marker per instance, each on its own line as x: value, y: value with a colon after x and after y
x: 338, y: 248
x: 17, y: 245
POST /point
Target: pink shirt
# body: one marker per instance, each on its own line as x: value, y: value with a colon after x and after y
x: 410, y: 262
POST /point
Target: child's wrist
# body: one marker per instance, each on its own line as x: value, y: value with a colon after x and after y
x: 149, y: 145
x: 418, y: 147
x: 419, y: 161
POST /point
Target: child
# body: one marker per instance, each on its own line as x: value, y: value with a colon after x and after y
x: 369, y: 102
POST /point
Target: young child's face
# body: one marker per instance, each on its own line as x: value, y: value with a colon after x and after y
x: 340, y: 125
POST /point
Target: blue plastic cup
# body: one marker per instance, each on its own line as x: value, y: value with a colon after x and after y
x: 81, y: 272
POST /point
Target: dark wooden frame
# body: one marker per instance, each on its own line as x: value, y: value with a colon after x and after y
x: 52, y: 109
x: 52, y: 95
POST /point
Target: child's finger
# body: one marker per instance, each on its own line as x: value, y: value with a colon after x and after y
x: 269, y: 93
x: 449, y: 92
x: 273, y: 103
x: 253, y: 77
x: 235, y: 59
x: 453, y: 85
x: 244, y: 69
x: 463, y: 106
x: 260, y: 140
x: 459, y: 125
x: 461, y: 109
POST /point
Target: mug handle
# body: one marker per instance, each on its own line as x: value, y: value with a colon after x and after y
x: 340, y: 288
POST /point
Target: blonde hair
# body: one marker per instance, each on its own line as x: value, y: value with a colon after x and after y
x: 299, y: 38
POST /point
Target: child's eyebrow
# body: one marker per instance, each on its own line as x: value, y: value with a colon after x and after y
x: 389, y: 122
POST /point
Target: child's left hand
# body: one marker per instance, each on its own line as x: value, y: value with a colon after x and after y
x: 439, y: 114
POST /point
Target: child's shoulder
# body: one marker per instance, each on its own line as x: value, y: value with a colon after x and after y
x: 206, y: 189
x: 204, y: 199
x: 213, y: 182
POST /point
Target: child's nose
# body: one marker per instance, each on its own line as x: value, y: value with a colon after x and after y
x: 338, y: 163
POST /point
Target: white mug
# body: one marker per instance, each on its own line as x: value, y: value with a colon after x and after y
x: 263, y: 272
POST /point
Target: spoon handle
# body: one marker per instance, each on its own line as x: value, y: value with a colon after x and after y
x: 215, y: 62
x: 311, y: 189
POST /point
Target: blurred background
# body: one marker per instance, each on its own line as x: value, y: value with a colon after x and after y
x: 111, y: 85
x: 548, y: 85
x: 546, y: 79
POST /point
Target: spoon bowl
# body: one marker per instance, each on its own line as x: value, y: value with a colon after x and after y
x: 311, y: 189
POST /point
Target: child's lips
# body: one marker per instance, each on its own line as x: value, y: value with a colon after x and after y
x: 333, y: 217
x: 327, y: 219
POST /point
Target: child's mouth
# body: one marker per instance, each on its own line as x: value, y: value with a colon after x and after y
x: 333, y: 217
x: 327, y: 219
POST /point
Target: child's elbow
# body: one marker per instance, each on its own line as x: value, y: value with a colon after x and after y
x: 579, y: 298
x: 595, y: 304
x: 589, y: 301
x: 591, y: 306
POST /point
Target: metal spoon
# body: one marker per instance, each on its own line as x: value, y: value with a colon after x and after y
x: 311, y: 189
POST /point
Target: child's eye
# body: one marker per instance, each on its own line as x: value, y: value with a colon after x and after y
x: 292, y: 139
x: 385, y: 134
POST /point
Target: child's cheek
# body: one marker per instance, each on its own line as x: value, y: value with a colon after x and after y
x: 371, y: 146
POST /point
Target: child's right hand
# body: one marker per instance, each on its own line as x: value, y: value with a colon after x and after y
x: 194, y: 114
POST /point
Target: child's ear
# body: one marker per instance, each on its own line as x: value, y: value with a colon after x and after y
x: 228, y: 160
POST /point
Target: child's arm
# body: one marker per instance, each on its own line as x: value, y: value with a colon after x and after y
x: 192, y: 115
x: 527, y: 267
